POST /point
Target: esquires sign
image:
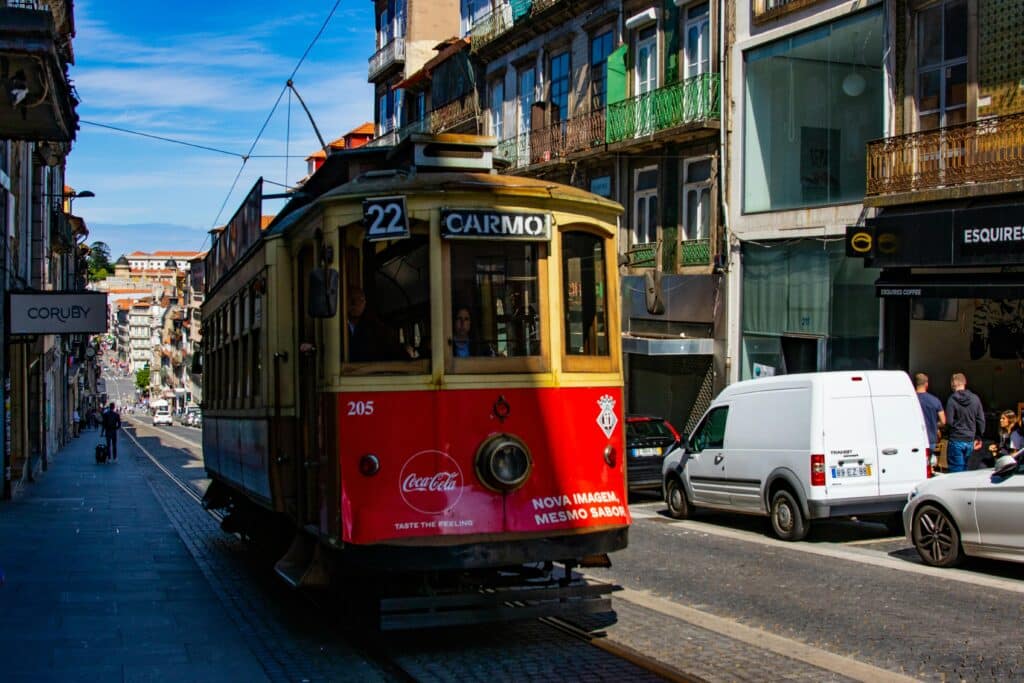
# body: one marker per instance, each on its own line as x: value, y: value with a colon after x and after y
x: 57, y: 313
x: 985, y: 236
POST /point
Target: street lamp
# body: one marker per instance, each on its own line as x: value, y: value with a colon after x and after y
x: 72, y: 196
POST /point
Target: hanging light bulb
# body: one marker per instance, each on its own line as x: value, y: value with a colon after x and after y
x: 854, y: 84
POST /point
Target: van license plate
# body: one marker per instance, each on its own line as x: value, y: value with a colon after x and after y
x: 643, y: 452
x: 858, y: 471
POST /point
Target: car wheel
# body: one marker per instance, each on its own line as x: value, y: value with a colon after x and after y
x: 788, y: 521
x: 675, y: 498
x: 936, y: 537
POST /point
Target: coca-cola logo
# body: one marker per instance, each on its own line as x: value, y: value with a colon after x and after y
x: 431, y: 482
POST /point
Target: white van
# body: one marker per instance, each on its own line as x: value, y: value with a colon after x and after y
x: 803, y: 447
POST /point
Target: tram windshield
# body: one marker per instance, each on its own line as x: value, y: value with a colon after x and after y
x: 495, y: 299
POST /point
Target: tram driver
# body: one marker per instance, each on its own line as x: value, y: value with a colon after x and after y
x: 464, y: 344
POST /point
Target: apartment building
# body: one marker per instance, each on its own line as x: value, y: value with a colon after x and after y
x: 946, y: 185
x: 807, y: 92
x: 407, y: 33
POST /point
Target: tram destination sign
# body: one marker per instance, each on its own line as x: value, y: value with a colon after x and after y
x: 58, y: 312
x: 490, y: 224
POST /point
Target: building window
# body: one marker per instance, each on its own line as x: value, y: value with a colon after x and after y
x: 645, y: 213
x: 497, y: 109
x: 384, y: 29
x: 472, y: 12
x: 812, y: 101
x: 600, y: 47
x: 560, y: 85
x: 942, y: 65
x: 697, y: 199
x: 698, y: 40
x: 527, y: 83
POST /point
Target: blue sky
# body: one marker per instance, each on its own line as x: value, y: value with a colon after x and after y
x: 207, y: 73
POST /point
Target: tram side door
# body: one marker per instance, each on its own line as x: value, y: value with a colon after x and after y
x: 311, y: 463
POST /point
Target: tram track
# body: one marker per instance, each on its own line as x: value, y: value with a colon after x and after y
x: 379, y: 651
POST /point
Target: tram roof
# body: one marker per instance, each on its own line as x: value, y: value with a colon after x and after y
x: 424, y: 182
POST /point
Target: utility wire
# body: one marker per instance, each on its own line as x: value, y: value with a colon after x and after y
x: 184, y: 142
x: 274, y: 108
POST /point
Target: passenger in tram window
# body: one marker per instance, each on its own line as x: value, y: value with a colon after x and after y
x: 366, y: 334
x: 464, y: 344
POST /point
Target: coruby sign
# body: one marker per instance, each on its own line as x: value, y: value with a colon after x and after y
x: 58, y: 312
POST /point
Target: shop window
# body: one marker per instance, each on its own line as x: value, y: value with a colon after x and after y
x: 812, y: 101
x: 806, y: 305
x: 584, y: 294
x: 601, y: 46
x: 942, y: 64
x: 496, y: 306
x: 387, y: 307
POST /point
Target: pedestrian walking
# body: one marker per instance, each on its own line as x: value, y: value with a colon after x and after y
x: 76, y: 422
x: 966, y: 423
x: 931, y: 408
x: 111, y: 422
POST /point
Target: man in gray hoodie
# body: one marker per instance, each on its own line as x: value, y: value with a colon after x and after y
x: 966, y: 422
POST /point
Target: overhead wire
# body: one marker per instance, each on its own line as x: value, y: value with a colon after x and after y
x: 273, y: 109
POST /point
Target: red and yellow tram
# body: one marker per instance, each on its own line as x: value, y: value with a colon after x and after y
x: 416, y: 371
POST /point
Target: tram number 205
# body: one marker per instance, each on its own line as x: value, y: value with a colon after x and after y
x: 385, y: 218
x: 360, y: 407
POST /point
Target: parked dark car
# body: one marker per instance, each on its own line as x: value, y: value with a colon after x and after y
x: 648, y: 439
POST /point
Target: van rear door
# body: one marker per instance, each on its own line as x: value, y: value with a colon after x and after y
x: 900, y: 431
x: 851, y: 469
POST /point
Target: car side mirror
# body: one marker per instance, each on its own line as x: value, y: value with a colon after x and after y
x: 1005, y: 466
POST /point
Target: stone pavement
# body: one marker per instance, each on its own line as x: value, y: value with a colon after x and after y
x: 98, y: 585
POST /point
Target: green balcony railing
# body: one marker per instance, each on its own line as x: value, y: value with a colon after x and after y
x: 695, y: 99
x: 695, y: 252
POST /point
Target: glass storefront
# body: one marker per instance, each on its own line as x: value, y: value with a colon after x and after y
x: 807, y: 307
x: 812, y: 102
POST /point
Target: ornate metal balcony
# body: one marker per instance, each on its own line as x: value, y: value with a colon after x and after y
x: 491, y: 26
x: 390, y: 55
x: 766, y: 10
x: 695, y: 99
x: 695, y: 252
x: 990, y: 150
x: 558, y: 141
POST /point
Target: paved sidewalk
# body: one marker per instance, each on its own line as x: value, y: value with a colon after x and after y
x: 100, y: 587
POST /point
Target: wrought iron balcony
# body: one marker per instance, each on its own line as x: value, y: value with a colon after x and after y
x: 695, y: 252
x: 558, y: 141
x: 392, y: 54
x: 766, y: 10
x: 986, y: 151
x: 491, y: 26
x: 695, y: 99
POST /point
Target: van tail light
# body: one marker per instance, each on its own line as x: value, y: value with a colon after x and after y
x: 928, y: 462
x: 818, y: 470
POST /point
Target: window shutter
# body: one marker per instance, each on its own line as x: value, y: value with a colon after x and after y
x: 617, y: 74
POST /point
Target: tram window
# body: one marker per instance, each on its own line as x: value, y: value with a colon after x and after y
x: 388, y: 309
x: 584, y: 294
x: 498, y: 284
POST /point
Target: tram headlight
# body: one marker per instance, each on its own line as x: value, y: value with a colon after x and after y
x: 503, y: 463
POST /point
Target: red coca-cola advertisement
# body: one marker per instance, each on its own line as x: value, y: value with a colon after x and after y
x: 427, y: 444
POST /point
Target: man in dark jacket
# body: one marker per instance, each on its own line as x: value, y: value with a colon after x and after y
x: 111, y: 422
x: 966, y: 422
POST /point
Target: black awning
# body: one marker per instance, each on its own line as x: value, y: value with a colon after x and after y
x: 952, y: 286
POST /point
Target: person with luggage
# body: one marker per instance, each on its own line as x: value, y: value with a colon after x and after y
x: 966, y: 423
x: 110, y: 422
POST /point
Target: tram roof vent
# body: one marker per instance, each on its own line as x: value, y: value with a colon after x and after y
x: 453, y: 152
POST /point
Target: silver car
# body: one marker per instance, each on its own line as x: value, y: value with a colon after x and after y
x: 979, y: 513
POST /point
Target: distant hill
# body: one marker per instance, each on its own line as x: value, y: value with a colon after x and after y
x: 124, y: 239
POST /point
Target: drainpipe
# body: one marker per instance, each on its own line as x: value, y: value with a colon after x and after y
x: 724, y: 96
